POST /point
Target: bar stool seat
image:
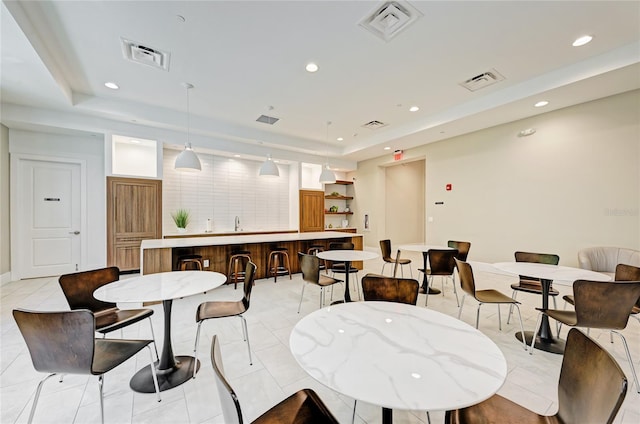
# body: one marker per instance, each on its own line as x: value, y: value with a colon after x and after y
x: 278, y: 263
x: 193, y: 262
x: 237, y: 264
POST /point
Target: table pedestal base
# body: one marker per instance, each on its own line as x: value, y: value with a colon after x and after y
x: 551, y: 345
x: 142, y: 381
x: 387, y: 416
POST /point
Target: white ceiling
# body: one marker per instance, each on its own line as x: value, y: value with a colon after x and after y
x: 246, y: 57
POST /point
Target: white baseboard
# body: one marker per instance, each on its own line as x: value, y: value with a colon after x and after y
x: 5, y: 278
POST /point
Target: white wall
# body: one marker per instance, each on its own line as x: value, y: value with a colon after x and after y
x: 574, y: 183
x: 5, y: 236
x: 90, y: 149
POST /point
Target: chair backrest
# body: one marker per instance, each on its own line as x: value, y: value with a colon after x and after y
x: 310, y: 267
x: 379, y: 287
x: 463, y: 248
x: 60, y: 342
x: 467, y: 282
x: 627, y: 273
x: 249, y: 277
x: 228, y: 399
x: 442, y: 262
x: 78, y: 288
x: 341, y: 246
x: 604, y: 304
x: 592, y: 386
x: 385, y: 247
x: 538, y: 258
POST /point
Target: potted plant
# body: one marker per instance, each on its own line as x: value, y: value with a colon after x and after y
x: 181, y: 218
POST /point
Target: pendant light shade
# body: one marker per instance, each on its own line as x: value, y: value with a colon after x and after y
x: 187, y: 160
x: 269, y: 168
x: 327, y: 176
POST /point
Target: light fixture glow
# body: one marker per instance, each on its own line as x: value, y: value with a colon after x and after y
x: 581, y: 41
x: 541, y: 103
x: 339, y: 138
x: 311, y: 67
x: 416, y: 375
x: 269, y: 169
x: 111, y: 85
x: 187, y: 160
x: 387, y: 148
x: 414, y: 109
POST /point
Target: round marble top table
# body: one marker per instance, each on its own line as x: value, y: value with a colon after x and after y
x: 424, y: 248
x: 398, y: 356
x: 548, y: 273
x: 346, y: 256
x: 164, y: 286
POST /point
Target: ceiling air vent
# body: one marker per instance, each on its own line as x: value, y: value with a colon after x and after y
x: 138, y: 53
x: 389, y: 19
x: 374, y: 125
x: 267, y: 119
x: 483, y: 80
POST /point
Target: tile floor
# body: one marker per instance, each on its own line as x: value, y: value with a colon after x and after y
x: 531, y: 381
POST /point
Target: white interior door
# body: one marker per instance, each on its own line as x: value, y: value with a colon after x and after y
x: 49, y: 217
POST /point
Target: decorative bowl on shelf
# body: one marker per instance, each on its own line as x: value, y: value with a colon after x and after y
x: 333, y: 209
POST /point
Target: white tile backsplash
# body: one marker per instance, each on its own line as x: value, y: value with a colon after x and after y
x: 225, y: 188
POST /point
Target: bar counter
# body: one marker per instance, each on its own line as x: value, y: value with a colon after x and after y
x: 160, y: 255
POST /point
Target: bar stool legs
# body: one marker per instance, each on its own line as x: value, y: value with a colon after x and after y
x: 237, y: 263
x: 278, y: 263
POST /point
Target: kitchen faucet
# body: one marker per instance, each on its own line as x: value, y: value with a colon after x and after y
x: 237, y: 223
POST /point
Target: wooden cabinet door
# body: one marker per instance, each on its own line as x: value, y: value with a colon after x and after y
x: 134, y: 213
x: 311, y: 211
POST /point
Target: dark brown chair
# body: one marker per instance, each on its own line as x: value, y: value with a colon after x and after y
x: 441, y: 264
x: 591, y: 389
x: 532, y: 284
x: 223, y: 309
x: 339, y: 267
x: 389, y: 289
x: 78, y: 289
x: 302, y: 407
x: 468, y: 284
x: 65, y: 343
x: 604, y: 305
x: 385, y: 247
x: 310, y: 267
x: 623, y: 273
x: 314, y: 250
x: 462, y: 247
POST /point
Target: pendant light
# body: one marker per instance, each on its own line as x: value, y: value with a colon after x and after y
x: 327, y: 176
x: 187, y: 160
x: 269, y: 168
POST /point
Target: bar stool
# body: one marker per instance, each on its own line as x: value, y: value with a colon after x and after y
x: 237, y: 264
x: 193, y: 262
x: 278, y: 257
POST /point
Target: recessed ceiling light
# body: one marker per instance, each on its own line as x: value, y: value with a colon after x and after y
x: 134, y: 141
x: 339, y: 138
x: 111, y: 85
x: 387, y: 148
x: 414, y: 109
x: 311, y: 67
x: 581, y: 41
x: 236, y: 156
x: 541, y: 103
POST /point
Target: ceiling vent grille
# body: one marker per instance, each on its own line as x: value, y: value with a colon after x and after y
x: 483, y: 80
x: 144, y: 55
x: 374, y: 125
x: 267, y: 119
x: 390, y: 19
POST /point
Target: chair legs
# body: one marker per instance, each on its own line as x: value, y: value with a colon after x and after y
x: 513, y: 296
x: 429, y: 280
x: 633, y: 369
x: 153, y: 336
x: 35, y: 400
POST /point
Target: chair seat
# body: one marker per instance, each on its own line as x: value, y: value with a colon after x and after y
x: 566, y: 317
x: 115, y: 319
x: 493, y: 296
x: 400, y: 261
x: 110, y: 352
x: 635, y: 310
x: 301, y: 407
x: 208, y: 310
x: 533, y: 289
x: 497, y: 409
x: 327, y: 281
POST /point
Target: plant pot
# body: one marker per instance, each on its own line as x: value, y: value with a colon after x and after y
x: 182, y: 230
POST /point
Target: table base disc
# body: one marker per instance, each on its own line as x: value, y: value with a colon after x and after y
x: 431, y: 290
x: 548, y: 345
x: 142, y: 381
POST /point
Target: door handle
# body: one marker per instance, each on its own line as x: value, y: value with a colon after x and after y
x: 74, y: 232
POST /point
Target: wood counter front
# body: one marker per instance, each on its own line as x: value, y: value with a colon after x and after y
x: 160, y: 255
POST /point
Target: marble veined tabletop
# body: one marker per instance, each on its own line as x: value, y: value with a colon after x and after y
x: 551, y: 272
x: 160, y: 286
x: 347, y: 255
x: 414, y: 247
x: 398, y: 356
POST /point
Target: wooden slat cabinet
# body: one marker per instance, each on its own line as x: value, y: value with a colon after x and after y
x: 311, y: 211
x: 134, y: 213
